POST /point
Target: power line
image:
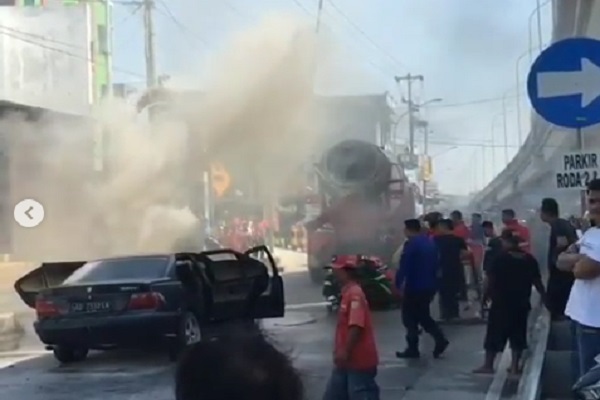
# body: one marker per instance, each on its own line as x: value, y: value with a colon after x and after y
x: 476, y: 101
x: 378, y: 67
x: 61, y: 51
x: 40, y: 37
x: 303, y: 7
x: 366, y: 36
x: 132, y: 13
x: 166, y: 11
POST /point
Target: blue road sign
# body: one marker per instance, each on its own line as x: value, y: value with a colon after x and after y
x: 564, y: 83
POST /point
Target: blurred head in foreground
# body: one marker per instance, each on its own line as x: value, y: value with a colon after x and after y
x: 237, y: 368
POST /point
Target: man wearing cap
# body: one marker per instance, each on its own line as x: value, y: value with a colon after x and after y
x: 417, y: 280
x: 355, y: 354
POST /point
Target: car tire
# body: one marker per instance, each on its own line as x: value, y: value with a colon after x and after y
x: 189, y: 332
x: 68, y: 354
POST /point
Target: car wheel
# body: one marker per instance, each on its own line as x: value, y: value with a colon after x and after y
x: 67, y: 354
x: 190, y: 329
x: 189, y: 332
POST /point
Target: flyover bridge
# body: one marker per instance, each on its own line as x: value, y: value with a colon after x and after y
x: 528, y: 178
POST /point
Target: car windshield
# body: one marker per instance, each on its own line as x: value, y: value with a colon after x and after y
x: 138, y: 268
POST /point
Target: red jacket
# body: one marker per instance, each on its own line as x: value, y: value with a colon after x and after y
x: 521, y: 231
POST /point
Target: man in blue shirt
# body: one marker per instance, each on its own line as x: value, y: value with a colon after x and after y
x: 417, y: 279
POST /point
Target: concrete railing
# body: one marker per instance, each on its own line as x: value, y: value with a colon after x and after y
x: 531, y: 381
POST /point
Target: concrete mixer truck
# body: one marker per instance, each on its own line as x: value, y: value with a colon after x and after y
x: 364, y: 197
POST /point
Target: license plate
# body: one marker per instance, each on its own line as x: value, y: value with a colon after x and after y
x: 92, y: 306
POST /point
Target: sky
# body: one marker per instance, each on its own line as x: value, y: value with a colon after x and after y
x: 466, y: 50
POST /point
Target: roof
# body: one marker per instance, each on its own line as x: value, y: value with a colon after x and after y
x: 34, y: 112
x: 374, y: 101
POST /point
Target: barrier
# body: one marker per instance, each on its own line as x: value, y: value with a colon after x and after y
x: 530, y: 384
x: 11, y: 332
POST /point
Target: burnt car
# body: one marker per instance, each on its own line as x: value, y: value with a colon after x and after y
x: 147, y: 301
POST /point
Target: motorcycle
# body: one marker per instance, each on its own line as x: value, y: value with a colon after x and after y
x: 375, y: 278
x: 588, y: 386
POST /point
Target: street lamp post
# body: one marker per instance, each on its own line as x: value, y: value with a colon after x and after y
x: 319, y: 14
x: 537, y: 12
x: 505, y: 127
x: 493, y: 143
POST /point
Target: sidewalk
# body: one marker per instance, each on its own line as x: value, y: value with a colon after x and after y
x: 448, y: 378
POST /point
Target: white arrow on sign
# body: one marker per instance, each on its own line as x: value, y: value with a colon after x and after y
x: 586, y: 82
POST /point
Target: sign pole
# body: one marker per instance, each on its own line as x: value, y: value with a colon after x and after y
x: 582, y: 193
x: 563, y: 86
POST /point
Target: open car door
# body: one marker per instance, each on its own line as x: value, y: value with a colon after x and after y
x: 271, y: 303
x: 240, y: 285
x: 45, y: 276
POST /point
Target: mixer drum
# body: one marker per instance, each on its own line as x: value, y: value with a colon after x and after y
x: 354, y: 165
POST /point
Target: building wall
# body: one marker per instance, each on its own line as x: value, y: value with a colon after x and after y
x: 46, y: 59
x: 100, y: 39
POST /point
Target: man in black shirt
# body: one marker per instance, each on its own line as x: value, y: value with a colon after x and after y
x: 562, y: 235
x: 452, y: 251
x: 509, y: 282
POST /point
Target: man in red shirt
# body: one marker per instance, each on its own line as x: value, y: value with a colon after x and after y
x: 355, y: 354
x: 460, y: 228
x: 462, y: 231
x: 509, y: 218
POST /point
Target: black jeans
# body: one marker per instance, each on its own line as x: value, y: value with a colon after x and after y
x: 416, y: 312
x: 449, y: 297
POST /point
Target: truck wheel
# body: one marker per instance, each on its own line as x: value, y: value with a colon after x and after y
x: 67, y: 354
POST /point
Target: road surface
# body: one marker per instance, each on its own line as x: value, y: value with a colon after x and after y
x: 306, y: 333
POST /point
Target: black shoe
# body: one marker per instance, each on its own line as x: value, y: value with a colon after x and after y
x: 408, y: 354
x: 440, y: 348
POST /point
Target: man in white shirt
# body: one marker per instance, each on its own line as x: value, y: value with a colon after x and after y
x: 583, y: 260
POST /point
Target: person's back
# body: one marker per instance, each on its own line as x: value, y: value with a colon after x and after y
x: 449, y: 247
x: 492, y: 251
x: 422, y: 255
x: 512, y: 277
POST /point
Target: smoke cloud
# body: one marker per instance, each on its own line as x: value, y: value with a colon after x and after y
x: 257, y: 117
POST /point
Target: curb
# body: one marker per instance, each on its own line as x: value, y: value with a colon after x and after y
x: 11, y: 332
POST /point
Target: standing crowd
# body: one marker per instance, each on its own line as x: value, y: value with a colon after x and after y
x: 436, y: 259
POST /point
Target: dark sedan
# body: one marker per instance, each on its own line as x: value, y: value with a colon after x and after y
x: 148, y: 300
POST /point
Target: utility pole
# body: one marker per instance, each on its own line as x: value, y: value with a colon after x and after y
x: 411, y: 107
x: 148, y: 6
x: 319, y: 14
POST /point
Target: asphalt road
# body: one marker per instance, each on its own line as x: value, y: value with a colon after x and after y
x: 305, y: 333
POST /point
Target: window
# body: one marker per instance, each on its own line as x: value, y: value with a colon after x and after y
x: 103, y: 46
x: 132, y: 268
x: 104, y: 90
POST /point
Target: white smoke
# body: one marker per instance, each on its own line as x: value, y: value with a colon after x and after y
x: 256, y: 117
